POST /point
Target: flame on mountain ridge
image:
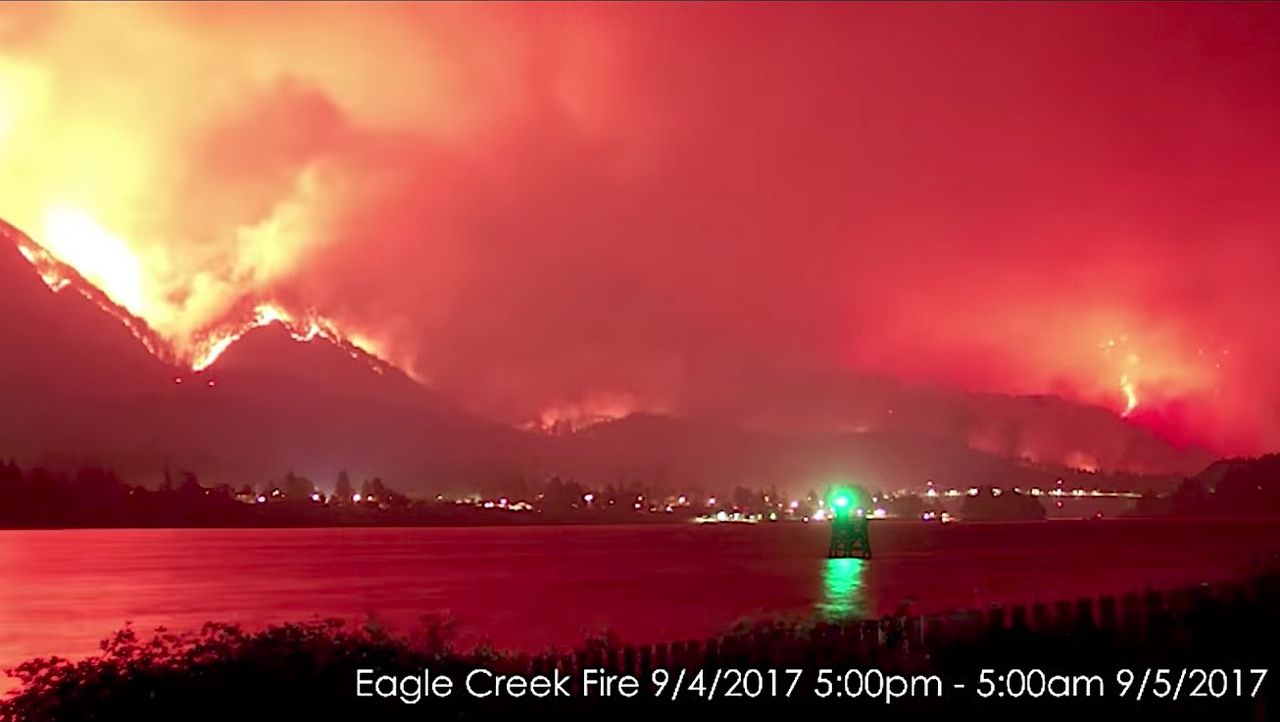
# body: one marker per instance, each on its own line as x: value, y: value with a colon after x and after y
x: 211, y: 344
x: 59, y: 276
x: 303, y: 328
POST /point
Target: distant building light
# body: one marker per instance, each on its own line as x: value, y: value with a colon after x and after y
x: 356, y: 498
x: 262, y: 499
x: 588, y: 498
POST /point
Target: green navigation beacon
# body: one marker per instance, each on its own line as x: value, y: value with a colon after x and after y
x: 849, y: 536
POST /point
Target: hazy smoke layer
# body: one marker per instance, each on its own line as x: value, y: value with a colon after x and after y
x: 769, y: 213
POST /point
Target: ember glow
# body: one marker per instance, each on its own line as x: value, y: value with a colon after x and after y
x: 818, y: 212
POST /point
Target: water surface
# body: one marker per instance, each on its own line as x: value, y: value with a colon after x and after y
x: 63, y: 591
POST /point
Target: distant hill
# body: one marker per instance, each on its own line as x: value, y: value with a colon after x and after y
x: 1230, y: 487
x: 716, y: 456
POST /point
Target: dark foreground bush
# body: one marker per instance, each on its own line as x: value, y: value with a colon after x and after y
x: 307, y: 671
x: 225, y: 672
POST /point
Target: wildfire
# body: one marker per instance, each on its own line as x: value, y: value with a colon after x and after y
x: 101, y: 258
x: 570, y: 418
x: 80, y: 254
x: 1130, y: 394
x: 304, y: 328
x: 1128, y: 383
x: 59, y: 276
x: 180, y: 207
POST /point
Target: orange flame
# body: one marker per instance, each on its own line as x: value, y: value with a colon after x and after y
x: 174, y: 203
x: 59, y: 276
x: 102, y: 269
x: 303, y: 329
x: 1130, y: 394
x: 1128, y: 376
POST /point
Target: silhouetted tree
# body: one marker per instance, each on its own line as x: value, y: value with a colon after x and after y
x: 373, y: 487
x: 342, y: 491
x: 297, y: 487
x: 190, y: 485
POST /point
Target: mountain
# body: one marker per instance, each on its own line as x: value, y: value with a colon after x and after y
x: 67, y: 369
x: 1040, y: 429
x: 710, y: 455
x: 313, y: 408
x: 62, y: 341
x: 79, y: 385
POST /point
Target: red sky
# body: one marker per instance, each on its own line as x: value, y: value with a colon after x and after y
x: 762, y: 211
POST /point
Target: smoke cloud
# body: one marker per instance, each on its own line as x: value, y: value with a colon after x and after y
x: 786, y: 215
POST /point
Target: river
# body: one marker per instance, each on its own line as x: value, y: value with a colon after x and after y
x: 530, y: 587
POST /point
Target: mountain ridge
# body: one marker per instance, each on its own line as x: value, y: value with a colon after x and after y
x: 80, y: 389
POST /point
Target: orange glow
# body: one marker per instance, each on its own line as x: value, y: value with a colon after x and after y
x: 102, y: 269
x: 1128, y: 384
x: 102, y: 258
x: 1130, y: 395
x: 302, y: 328
x: 206, y: 170
x: 595, y: 409
x: 168, y: 196
x: 59, y: 276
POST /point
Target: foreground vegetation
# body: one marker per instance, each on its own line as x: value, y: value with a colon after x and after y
x: 306, y: 671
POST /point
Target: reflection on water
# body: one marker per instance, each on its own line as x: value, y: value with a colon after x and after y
x: 843, y: 596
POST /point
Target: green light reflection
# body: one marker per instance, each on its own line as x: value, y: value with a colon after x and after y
x: 843, y: 596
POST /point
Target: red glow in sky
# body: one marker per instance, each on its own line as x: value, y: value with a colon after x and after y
x: 767, y: 212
